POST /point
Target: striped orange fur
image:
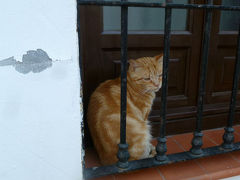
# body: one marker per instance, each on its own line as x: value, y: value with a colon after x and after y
x: 144, y: 78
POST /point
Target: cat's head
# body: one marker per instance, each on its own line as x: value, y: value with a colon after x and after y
x: 146, y: 73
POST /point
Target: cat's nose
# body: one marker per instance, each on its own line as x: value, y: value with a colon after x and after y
x: 156, y: 84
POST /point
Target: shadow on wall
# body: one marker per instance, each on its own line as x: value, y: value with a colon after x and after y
x: 34, y: 61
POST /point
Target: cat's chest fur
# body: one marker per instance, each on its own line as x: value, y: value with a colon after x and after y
x: 140, y: 106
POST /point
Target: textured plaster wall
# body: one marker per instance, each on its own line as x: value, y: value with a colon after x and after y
x: 40, y: 103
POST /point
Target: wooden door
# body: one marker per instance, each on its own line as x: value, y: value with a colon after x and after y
x: 221, y: 65
x: 101, y: 57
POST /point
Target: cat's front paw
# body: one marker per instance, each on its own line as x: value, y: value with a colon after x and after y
x: 153, y: 151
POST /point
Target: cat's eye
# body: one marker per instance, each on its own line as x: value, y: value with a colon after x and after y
x: 146, y: 79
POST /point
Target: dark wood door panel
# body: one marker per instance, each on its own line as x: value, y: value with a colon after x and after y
x: 221, y: 62
x: 223, y: 70
x: 184, y: 125
x: 225, y: 61
x: 227, y: 39
x: 221, y: 59
x: 178, y: 39
x: 181, y: 112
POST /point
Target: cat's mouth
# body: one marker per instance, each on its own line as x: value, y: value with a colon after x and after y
x: 156, y: 89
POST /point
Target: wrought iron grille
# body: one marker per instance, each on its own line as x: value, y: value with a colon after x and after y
x: 196, y: 151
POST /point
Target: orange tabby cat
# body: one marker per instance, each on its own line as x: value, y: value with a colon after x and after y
x: 144, y: 78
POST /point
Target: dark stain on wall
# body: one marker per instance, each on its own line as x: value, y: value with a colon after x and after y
x: 34, y: 61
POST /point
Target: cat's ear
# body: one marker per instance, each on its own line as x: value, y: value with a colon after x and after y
x: 133, y: 65
x: 159, y: 58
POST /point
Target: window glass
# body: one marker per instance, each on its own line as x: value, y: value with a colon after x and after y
x: 230, y: 19
x: 144, y: 19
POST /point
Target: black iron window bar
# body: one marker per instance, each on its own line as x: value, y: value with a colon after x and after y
x: 196, y: 151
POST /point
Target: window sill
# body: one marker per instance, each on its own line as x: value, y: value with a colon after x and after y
x: 213, y: 167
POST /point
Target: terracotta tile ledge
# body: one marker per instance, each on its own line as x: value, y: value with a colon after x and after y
x: 213, y: 167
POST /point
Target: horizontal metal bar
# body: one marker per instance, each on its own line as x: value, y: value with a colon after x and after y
x: 146, y: 163
x: 156, y: 5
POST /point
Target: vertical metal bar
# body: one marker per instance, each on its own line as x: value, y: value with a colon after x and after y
x: 161, y: 146
x: 228, y: 137
x: 197, y: 140
x: 123, y: 154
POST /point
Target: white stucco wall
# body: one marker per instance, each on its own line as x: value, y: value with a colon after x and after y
x: 40, y: 110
